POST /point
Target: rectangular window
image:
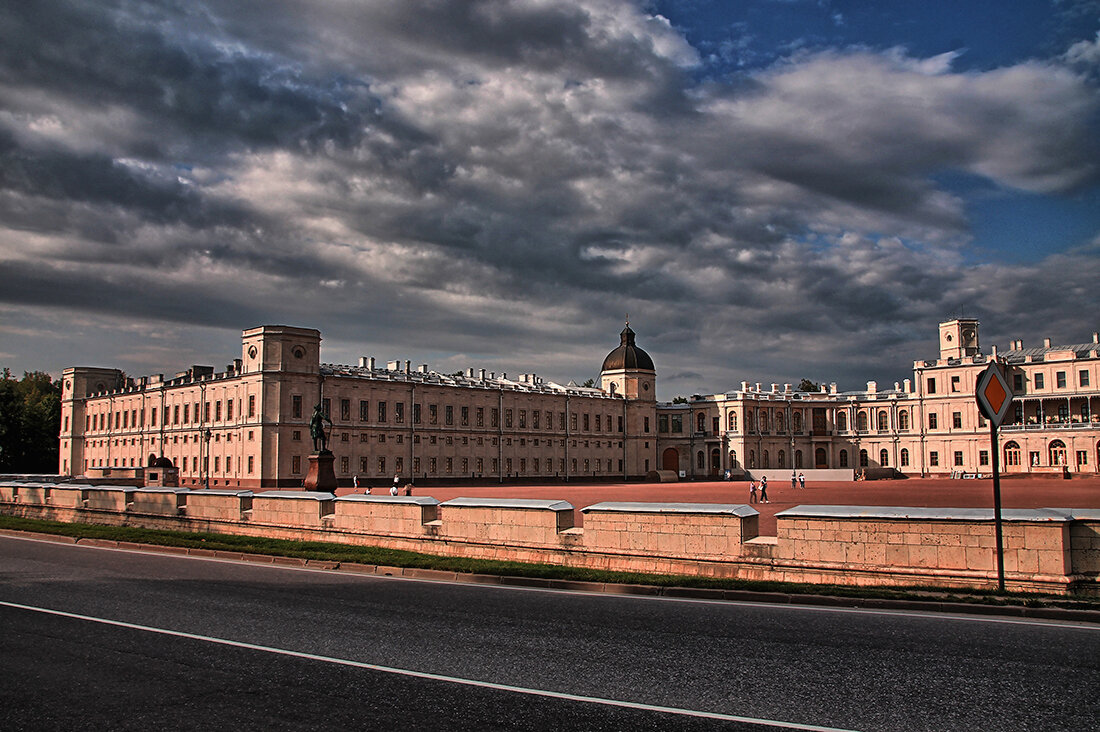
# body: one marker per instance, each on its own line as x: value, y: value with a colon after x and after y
x: 251, y: 464
x: 586, y: 429
x: 186, y: 414
x: 431, y: 465
x: 983, y: 457
x: 345, y: 410
x: 326, y: 407
x: 621, y: 422
x: 381, y: 411
x: 1083, y: 378
x: 450, y: 465
x: 662, y: 423
x: 153, y: 417
x: 228, y: 410
x: 1038, y: 381
x: 364, y: 410
x: 206, y: 412
x: 932, y: 421
x: 382, y: 465
x: 479, y: 415
x: 296, y: 464
x: 523, y: 419
x: 645, y: 427
x: 494, y: 417
x: 218, y: 411
x: 296, y: 435
x: 549, y: 420
x: 251, y: 405
x: 933, y: 458
x: 448, y: 415
x: 931, y: 385
x: 957, y: 420
x: 954, y: 383
x: 535, y: 419
x: 416, y: 414
x: 217, y: 463
x: 399, y: 465
x: 344, y: 465
x: 416, y: 465
x: 465, y: 415
x: 958, y: 458
x: 508, y: 418
x: 433, y: 414
x: 480, y: 465
x: 1060, y: 379
x: 399, y: 412
x: 677, y: 423
x: 1082, y: 458
x: 364, y: 465
x: 572, y: 422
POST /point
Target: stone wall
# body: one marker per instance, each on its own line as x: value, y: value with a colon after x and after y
x: 1048, y: 550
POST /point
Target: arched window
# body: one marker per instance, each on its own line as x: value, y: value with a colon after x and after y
x: 763, y: 420
x: 1012, y: 453
x: 700, y: 423
x: 883, y: 420
x: 779, y: 422
x: 1057, y: 453
x: 731, y: 421
x: 863, y: 458
x: 861, y: 421
x: 904, y: 457
x: 699, y: 460
x: 843, y: 458
x: 781, y: 459
x: 821, y: 458
x: 796, y: 422
x: 733, y: 458
x: 842, y: 421
x: 798, y: 458
x: 767, y: 464
x: 883, y: 457
x: 903, y: 420
x: 750, y: 423
x: 752, y: 458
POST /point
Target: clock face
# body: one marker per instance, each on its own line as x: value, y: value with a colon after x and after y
x: 252, y: 351
x: 968, y: 335
x: 947, y: 337
x: 299, y: 352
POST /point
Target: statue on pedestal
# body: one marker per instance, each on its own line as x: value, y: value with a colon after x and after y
x: 317, y: 429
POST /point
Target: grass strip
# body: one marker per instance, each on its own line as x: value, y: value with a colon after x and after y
x: 375, y: 555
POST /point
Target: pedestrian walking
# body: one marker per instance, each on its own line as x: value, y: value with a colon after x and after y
x: 764, y: 489
x: 752, y: 491
x: 801, y: 480
x: 355, y: 482
x: 396, y: 481
x: 794, y: 481
x: 393, y: 489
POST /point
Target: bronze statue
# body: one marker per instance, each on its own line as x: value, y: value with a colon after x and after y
x: 317, y: 429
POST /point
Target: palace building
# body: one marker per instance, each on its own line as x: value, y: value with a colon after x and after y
x: 248, y: 425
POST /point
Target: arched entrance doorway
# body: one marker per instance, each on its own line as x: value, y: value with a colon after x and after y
x: 670, y: 459
x: 821, y: 459
x: 715, y: 462
x: 1057, y: 453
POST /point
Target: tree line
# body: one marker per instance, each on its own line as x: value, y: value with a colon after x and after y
x: 30, y: 422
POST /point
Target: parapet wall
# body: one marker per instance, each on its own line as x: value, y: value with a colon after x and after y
x: 1047, y: 550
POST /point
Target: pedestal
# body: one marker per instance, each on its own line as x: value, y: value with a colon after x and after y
x: 321, y: 476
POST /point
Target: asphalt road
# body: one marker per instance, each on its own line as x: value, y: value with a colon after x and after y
x: 107, y: 639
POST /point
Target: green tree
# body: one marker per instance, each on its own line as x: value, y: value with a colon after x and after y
x: 807, y: 385
x: 679, y: 400
x: 589, y: 383
x: 30, y: 421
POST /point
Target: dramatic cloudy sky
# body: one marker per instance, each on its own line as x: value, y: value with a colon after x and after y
x: 771, y: 189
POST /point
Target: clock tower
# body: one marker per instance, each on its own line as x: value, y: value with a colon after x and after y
x: 959, y: 338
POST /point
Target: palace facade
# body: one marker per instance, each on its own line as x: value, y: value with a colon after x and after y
x: 248, y: 425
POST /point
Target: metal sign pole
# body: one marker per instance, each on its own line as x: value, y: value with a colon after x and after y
x: 997, y: 506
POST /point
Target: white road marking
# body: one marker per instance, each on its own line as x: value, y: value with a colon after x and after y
x: 430, y: 676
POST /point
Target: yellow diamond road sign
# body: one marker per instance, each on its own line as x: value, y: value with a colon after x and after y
x: 993, y: 394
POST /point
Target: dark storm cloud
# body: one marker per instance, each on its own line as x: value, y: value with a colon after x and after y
x: 504, y: 177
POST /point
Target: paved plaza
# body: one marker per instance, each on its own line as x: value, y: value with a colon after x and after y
x: 1016, y: 492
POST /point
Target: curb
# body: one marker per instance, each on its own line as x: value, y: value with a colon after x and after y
x: 687, y: 593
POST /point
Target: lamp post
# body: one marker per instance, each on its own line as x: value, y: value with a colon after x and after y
x: 206, y: 460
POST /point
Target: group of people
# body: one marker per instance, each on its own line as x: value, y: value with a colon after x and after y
x: 797, y: 481
x: 394, y: 489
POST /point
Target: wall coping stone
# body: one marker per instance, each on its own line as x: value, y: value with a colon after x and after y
x: 220, y: 492
x: 535, y: 503
x: 160, y: 489
x: 1079, y: 514
x: 741, y: 510
x: 925, y: 513
x: 117, y: 488
x: 310, y: 495
x: 412, y: 500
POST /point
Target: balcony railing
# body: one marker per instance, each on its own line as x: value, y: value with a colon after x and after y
x: 1039, y: 427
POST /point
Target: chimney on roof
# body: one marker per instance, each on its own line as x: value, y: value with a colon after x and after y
x: 872, y: 387
x: 832, y: 387
x: 994, y: 354
x: 1046, y: 343
x: 393, y: 365
x: 1095, y: 337
x: 422, y: 368
x: 363, y: 362
x: 758, y: 386
x: 408, y: 367
x: 744, y: 386
x: 481, y: 374
x: 908, y: 386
